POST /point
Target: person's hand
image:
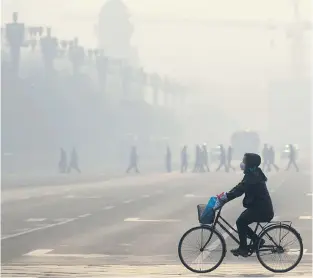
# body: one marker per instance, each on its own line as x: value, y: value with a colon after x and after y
x: 220, y: 201
x: 222, y: 197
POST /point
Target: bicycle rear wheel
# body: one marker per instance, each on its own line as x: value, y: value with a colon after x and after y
x: 192, y: 255
x: 282, y: 250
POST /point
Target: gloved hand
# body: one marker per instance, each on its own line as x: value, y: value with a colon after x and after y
x: 222, y: 197
x: 221, y: 200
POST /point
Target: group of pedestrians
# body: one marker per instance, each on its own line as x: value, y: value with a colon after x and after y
x: 268, y: 156
x: 201, y: 159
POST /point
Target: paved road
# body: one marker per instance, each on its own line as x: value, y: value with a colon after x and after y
x: 131, y: 226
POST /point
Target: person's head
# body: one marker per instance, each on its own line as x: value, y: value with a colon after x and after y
x: 250, y: 162
x: 15, y: 17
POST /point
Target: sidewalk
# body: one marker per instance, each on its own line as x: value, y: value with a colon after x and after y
x: 15, y: 181
x: 224, y: 270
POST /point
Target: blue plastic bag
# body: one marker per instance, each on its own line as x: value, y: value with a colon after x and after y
x: 208, y: 214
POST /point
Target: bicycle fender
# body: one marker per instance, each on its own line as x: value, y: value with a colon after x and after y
x: 279, y: 225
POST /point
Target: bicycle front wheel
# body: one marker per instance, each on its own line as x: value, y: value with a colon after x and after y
x: 202, y: 249
x: 282, y: 250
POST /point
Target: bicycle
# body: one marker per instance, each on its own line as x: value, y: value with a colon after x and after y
x: 261, y: 248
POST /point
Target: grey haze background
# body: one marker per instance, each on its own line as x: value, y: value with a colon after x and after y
x: 242, y: 75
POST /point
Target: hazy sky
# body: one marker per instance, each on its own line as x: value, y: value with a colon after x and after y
x: 245, y: 9
x: 229, y: 65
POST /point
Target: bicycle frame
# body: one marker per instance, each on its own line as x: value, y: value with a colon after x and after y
x: 230, y: 227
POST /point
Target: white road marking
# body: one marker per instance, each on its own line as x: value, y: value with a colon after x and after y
x: 189, y: 195
x: 128, y: 201
x: 195, y: 196
x: 108, y: 207
x: 145, y: 196
x: 38, y: 229
x: 150, y: 220
x: 297, y: 252
x: 35, y: 219
x: 38, y: 252
x: 309, y: 194
x: 21, y: 230
x: 81, y: 197
x: 62, y: 219
x: 125, y: 244
x: 45, y: 253
x: 84, y: 215
x: 306, y: 217
x: 40, y: 225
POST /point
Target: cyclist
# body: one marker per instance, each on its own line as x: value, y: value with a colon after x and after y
x: 257, y: 201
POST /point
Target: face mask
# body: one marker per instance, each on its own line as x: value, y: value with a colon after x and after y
x: 242, y: 166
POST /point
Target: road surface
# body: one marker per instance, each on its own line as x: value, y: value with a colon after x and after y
x: 130, y: 226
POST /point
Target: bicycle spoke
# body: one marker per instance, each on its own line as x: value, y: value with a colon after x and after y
x: 190, y: 250
x: 278, y: 258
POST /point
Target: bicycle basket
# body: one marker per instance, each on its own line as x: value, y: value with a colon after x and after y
x: 209, y: 216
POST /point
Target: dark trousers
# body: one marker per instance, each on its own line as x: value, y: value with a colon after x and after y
x: 246, y: 218
x: 133, y: 165
x: 229, y: 165
x: 73, y: 166
x: 168, y: 166
x: 293, y: 162
x: 184, y: 166
x: 222, y: 163
x: 266, y: 165
x: 206, y: 166
x: 198, y: 167
x: 274, y: 165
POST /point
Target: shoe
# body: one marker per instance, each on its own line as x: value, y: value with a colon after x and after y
x: 240, y: 252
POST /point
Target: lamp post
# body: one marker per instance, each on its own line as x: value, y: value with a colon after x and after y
x: 15, y: 33
x: 166, y: 90
x: 76, y: 55
x: 155, y: 83
x: 142, y: 82
x: 126, y: 75
x: 102, y: 64
x: 49, y: 50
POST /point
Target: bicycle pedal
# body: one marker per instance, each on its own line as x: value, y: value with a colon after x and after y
x: 234, y: 253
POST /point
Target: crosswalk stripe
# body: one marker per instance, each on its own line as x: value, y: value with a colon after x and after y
x: 306, y: 217
x: 35, y: 219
